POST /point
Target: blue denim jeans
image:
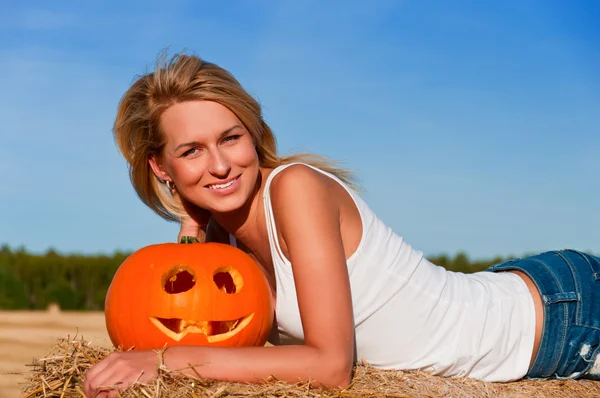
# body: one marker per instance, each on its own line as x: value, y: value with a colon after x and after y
x: 569, y: 283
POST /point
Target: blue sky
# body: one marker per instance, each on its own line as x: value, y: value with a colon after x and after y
x: 472, y: 126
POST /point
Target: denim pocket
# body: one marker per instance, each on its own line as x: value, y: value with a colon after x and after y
x: 586, y: 270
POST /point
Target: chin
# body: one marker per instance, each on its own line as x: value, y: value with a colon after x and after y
x: 230, y: 204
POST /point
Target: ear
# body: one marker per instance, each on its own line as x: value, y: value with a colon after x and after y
x: 158, y: 169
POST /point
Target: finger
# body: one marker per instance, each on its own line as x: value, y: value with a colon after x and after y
x: 106, y: 386
x: 117, y: 379
x: 98, y: 394
x: 92, y: 373
x: 105, y: 380
x: 188, y: 228
x: 103, y: 393
x: 104, y: 376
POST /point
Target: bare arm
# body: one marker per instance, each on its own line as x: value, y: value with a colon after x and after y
x: 292, y: 363
x: 308, y: 217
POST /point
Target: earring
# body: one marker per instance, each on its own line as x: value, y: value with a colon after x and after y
x: 170, y: 185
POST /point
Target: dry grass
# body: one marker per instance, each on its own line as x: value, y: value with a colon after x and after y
x: 25, y: 335
x: 60, y: 374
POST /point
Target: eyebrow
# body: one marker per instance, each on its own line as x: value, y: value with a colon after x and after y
x: 223, y: 134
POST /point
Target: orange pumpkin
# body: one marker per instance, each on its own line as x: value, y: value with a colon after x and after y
x: 207, y: 294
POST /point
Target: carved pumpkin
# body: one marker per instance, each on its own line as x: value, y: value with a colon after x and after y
x: 207, y: 294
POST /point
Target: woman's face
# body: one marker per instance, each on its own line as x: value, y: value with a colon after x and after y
x: 209, y: 155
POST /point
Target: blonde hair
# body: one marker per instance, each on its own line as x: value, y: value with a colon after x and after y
x: 185, y: 78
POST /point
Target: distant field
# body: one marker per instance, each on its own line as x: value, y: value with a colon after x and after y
x: 25, y: 335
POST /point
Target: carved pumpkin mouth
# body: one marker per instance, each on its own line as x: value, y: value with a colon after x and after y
x: 215, y: 331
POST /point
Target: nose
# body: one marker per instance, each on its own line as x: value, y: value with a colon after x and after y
x: 219, y: 166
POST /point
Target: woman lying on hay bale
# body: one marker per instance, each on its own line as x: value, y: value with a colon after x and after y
x: 347, y: 287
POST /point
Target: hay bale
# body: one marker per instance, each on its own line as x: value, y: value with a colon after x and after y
x: 61, y: 372
x: 53, y: 309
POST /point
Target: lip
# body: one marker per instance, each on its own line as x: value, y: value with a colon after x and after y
x: 225, y: 191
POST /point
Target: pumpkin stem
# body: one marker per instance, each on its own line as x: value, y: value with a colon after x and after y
x: 188, y: 239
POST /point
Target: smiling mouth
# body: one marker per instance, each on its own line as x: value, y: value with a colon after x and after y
x: 223, y: 185
x: 214, y: 331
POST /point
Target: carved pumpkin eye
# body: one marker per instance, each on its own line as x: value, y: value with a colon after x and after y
x: 179, y: 279
x: 228, y: 280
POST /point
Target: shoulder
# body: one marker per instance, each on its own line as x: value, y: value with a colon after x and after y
x: 299, y: 192
x: 298, y: 177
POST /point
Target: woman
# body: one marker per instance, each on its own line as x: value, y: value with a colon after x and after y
x: 346, y: 287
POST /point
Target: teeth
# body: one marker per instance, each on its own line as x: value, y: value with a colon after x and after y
x: 221, y: 186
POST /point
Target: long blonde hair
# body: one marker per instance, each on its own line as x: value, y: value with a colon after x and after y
x: 184, y: 78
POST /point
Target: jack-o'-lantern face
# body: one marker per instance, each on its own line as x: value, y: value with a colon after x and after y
x: 188, y: 294
x: 227, y: 281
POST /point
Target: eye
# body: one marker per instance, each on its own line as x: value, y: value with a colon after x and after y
x: 231, y: 138
x: 189, y: 152
x: 228, y: 280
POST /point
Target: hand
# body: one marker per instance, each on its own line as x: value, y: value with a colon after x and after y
x: 195, y: 222
x: 118, y: 371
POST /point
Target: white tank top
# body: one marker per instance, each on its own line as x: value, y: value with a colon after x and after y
x: 410, y: 314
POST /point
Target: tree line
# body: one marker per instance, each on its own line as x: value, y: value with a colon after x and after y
x: 73, y: 281
x: 79, y: 282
